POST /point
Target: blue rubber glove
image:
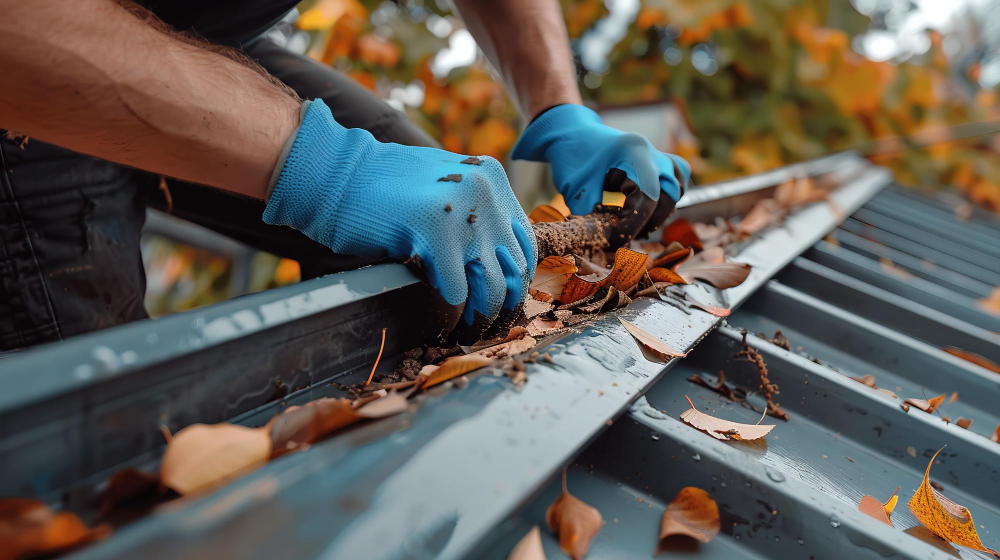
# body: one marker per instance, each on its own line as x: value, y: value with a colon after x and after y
x: 362, y: 197
x: 582, y: 149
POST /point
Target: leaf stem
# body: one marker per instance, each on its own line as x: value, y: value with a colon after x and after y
x: 689, y: 401
x: 379, y: 357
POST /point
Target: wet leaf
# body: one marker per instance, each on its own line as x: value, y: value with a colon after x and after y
x: 201, y: 456
x: 927, y: 406
x: 681, y: 231
x: 974, y: 358
x: 692, y: 513
x: 723, y: 429
x: 455, y: 366
x: 665, y: 275
x: 529, y: 547
x: 628, y: 269
x: 574, y: 521
x: 31, y: 528
x: 710, y: 309
x: 876, y: 509
x: 710, y: 266
x: 551, y: 276
x: 944, y: 517
x: 299, y: 426
x: 546, y: 213
x: 652, y: 344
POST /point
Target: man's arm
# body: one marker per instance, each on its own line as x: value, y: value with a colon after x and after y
x: 526, y: 42
x: 90, y: 76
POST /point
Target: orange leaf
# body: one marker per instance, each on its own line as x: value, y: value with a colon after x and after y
x: 927, y: 406
x: 201, y: 456
x: 991, y: 304
x: 551, y: 276
x: 680, y: 230
x: 671, y: 259
x: 629, y: 268
x: 458, y: 365
x: 693, y: 513
x: 723, y: 429
x: 974, y: 358
x: 996, y: 434
x: 529, y: 547
x: 942, y: 516
x: 574, y: 521
x: 874, y: 508
x: 665, y: 275
x: 30, y: 528
x: 652, y: 344
x: 546, y: 213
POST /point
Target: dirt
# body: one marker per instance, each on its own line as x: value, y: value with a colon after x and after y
x: 770, y: 389
x: 453, y: 178
x: 578, y: 235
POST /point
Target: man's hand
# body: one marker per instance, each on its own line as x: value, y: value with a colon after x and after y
x: 358, y: 196
x: 583, y: 150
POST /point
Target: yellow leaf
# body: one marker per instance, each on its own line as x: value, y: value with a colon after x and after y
x: 890, y: 504
x: 546, y: 213
x: 944, y: 517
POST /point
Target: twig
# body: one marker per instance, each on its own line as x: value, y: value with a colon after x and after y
x: 377, y: 358
x: 770, y: 389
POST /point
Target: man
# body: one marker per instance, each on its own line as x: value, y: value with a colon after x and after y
x: 112, y: 97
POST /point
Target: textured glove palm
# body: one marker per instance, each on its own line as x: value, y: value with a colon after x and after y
x: 582, y: 149
x: 359, y: 196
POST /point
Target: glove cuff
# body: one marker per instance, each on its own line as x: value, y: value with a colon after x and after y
x: 549, y: 127
x: 286, y: 149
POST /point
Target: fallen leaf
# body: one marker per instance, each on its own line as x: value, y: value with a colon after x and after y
x: 529, y: 547
x: 665, y: 275
x: 299, y: 426
x: 550, y: 277
x: 723, y: 275
x: 671, y: 259
x: 944, y: 517
x: 681, y: 231
x: 868, y: 380
x: 876, y: 509
x: 30, y: 528
x: 710, y: 309
x: 692, y: 513
x: 127, y: 485
x: 991, y: 303
x: 455, y: 366
x: 201, y: 456
x: 927, y: 406
x: 723, y: 429
x: 974, y: 358
x: 765, y: 212
x: 996, y: 434
x: 508, y: 348
x: 541, y: 326
x: 546, y: 213
x: 574, y: 521
x: 533, y: 307
x: 629, y: 267
x: 652, y: 344
x: 963, y: 423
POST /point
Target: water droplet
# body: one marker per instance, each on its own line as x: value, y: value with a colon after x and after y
x: 723, y: 484
x: 834, y: 522
x: 737, y: 537
x: 775, y: 475
x: 697, y: 457
x: 801, y: 542
x: 715, y: 477
x: 777, y: 539
x: 749, y: 485
x: 654, y: 437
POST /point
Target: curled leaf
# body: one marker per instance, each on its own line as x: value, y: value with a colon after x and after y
x: 974, y: 358
x: 652, y: 344
x: 665, y: 275
x: 693, y: 513
x: 890, y: 504
x: 546, y: 213
x: 672, y: 258
x: 722, y: 275
x: 681, y: 231
x: 876, y: 509
x: 927, y: 406
x: 942, y: 516
x: 201, y: 456
x: 529, y: 547
x: 550, y: 277
x: 628, y: 269
x: 455, y: 366
x: 710, y: 309
x: 31, y: 528
x: 723, y: 429
x: 574, y: 521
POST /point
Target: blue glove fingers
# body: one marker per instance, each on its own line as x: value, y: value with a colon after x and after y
x: 476, y: 275
x: 513, y: 278
x: 679, y: 172
x: 488, y: 287
x: 525, y: 236
x: 448, y: 276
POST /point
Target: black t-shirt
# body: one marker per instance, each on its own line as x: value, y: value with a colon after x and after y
x: 221, y: 21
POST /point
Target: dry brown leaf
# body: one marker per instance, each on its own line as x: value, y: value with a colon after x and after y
x: 201, y: 456
x: 529, y: 547
x: 991, y: 303
x: 550, y: 277
x: 944, y: 517
x: 652, y: 344
x: 546, y: 213
x: 628, y: 269
x: 671, y: 259
x: 681, y: 231
x: 927, y: 406
x: 540, y: 326
x: 710, y: 309
x: 509, y: 348
x: 665, y: 275
x: 455, y: 366
x: 533, y: 307
x: 128, y: 485
x: 723, y: 429
x: 574, y: 521
x: 707, y: 233
x: 799, y: 192
x: 765, y: 212
x: 963, y: 423
x: 724, y: 275
x: 974, y: 358
x: 867, y: 380
x: 31, y: 528
x: 876, y: 509
x: 692, y: 513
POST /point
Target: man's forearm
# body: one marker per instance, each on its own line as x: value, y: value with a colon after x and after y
x: 89, y: 76
x: 527, y: 43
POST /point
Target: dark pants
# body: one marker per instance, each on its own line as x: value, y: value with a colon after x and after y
x: 70, y: 224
